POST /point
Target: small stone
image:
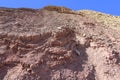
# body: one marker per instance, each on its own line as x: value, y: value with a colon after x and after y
x: 93, y: 44
x: 84, y: 35
x: 60, y: 58
x: 78, y: 52
x: 31, y: 66
x: 59, y: 28
x: 29, y: 70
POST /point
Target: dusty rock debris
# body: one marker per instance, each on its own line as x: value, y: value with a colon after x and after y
x: 57, y: 43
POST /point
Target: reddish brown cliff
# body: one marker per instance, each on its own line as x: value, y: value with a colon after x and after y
x: 56, y: 43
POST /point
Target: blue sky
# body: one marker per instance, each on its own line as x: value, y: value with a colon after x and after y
x: 106, y: 6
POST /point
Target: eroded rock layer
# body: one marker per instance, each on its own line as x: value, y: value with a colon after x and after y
x: 53, y: 44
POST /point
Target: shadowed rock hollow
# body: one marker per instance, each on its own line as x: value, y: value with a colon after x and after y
x: 57, y: 43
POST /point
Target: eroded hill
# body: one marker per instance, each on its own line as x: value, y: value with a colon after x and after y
x: 57, y: 43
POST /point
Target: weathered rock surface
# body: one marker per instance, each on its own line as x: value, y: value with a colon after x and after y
x: 56, y: 43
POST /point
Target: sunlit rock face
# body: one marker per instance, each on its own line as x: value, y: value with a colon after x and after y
x: 57, y: 43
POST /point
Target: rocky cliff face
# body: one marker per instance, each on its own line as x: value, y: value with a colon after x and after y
x: 56, y: 43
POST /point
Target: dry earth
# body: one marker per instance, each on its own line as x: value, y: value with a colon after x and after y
x: 56, y: 43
